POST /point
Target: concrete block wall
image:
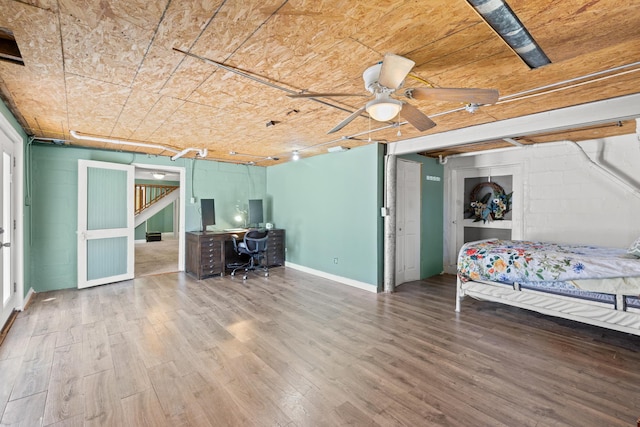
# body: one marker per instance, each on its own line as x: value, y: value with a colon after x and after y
x: 566, y: 198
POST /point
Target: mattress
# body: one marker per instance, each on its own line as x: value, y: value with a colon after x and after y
x: 572, y: 270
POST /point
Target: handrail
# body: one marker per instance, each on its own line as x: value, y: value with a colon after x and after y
x: 148, y: 194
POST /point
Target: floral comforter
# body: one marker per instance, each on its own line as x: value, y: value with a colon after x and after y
x: 510, y: 261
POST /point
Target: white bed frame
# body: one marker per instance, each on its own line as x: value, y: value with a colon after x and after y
x: 580, y: 310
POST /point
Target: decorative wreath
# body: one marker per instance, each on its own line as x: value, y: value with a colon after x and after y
x: 493, y: 205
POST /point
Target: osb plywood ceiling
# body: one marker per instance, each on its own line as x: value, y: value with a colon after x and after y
x: 109, y: 68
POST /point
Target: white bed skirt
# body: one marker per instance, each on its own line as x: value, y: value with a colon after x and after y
x: 590, y: 312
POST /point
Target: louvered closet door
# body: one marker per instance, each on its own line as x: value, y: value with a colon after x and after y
x: 105, y: 223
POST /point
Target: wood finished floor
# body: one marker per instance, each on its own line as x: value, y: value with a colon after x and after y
x: 297, y: 350
x: 156, y: 257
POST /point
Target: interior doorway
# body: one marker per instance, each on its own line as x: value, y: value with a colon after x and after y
x: 408, y: 202
x: 163, y: 251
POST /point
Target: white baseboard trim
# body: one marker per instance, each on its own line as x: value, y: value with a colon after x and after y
x: 344, y: 280
x: 27, y: 299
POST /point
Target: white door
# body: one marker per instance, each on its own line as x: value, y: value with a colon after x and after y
x: 408, y: 201
x: 105, y: 223
x: 8, y: 293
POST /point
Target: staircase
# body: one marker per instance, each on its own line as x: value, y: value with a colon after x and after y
x: 151, y: 199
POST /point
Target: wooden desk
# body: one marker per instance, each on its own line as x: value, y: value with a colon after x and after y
x: 208, y: 253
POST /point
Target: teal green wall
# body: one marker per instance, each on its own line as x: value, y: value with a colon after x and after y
x: 162, y: 221
x: 431, y: 226
x: 54, y: 183
x: 330, y: 207
x: 27, y: 208
x: 230, y: 185
x: 140, y: 233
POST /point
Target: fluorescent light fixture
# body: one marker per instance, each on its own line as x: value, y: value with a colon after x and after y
x: 158, y: 175
x: 383, y: 108
x: 501, y: 18
x: 295, y: 155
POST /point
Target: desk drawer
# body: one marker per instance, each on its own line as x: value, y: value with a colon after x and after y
x: 214, y: 248
x: 210, y: 243
x: 275, y: 247
x: 206, y: 272
x: 210, y: 261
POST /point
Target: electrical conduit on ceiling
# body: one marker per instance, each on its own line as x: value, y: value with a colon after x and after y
x: 606, y: 171
x: 542, y: 90
x: 530, y: 93
x: 177, y: 154
x: 612, y: 176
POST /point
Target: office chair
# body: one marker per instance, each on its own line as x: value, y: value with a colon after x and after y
x: 254, y: 244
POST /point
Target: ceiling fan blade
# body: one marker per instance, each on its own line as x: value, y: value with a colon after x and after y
x: 394, y: 70
x: 475, y: 96
x: 322, y: 95
x: 347, y: 120
x: 417, y: 118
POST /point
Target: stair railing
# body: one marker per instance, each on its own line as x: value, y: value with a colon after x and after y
x: 148, y: 194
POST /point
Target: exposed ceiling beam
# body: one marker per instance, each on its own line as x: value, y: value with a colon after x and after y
x: 615, y: 109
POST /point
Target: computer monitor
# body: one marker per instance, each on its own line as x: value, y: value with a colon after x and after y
x: 208, y: 211
x: 255, y: 212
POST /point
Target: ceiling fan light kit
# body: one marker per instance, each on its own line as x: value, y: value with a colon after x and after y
x: 383, y: 108
x: 385, y: 78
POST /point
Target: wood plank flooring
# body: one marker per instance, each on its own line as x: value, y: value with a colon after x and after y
x: 297, y: 350
x: 156, y: 257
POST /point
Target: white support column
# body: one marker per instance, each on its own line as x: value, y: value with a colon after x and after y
x: 390, y: 224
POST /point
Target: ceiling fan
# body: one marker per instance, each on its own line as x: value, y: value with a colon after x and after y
x: 385, y: 78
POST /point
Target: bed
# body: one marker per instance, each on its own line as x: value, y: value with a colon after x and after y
x: 590, y: 284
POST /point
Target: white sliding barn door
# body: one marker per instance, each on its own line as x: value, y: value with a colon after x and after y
x: 408, y: 201
x: 105, y: 223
